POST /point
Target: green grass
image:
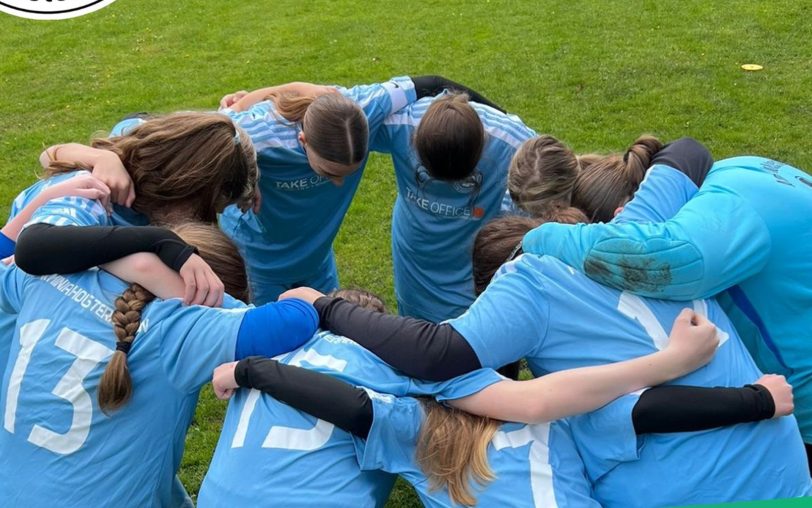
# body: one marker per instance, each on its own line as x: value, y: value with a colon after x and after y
x: 595, y: 74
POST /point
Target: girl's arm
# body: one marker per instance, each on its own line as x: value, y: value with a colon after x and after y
x: 248, y: 99
x: 692, y: 408
x: 349, y: 408
x: 428, y: 86
x: 105, y: 165
x: 82, y: 185
x: 150, y: 272
x: 44, y: 249
x: 560, y: 394
x: 659, y: 409
x: 421, y: 349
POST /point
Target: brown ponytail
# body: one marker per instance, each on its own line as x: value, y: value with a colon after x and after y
x: 187, y: 164
x: 115, y: 387
x: 607, y: 182
x: 542, y: 175
x: 216, y: 249
x: 334, y: 126
x: 452, y: 450
x: 450, y: 138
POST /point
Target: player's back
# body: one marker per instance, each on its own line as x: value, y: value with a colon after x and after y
x: 595, y: 324
x: 434, y: 221
x: 270, y: 454
x: 772, y: 307
x: 56, y: 442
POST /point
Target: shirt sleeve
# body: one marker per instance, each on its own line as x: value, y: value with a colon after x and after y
x: 509, y: 320
x: 714, y: 242
x: 71, y: 211
x: 457, y: 388
x: 6, y: 246
x: 275, y: 328
x: 392, y: 440
x: 381, y: 100
x: 662, y: 193
x: 606, y: 437
x: 12, y: 281
x: 195, y: 340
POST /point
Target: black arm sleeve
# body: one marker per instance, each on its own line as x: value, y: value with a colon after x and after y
x: 320, y: 395
x: 421, y: 349
x: 429, y: 86
x: 687, y: 155
x: 44, y: 249
x: 691, y: 408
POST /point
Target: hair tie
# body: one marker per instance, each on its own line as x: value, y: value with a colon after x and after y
x: 123, y: 346
x: 626, y: 157
x: 237, y: 139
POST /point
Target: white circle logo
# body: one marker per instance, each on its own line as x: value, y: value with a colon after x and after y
x: 51, y: 9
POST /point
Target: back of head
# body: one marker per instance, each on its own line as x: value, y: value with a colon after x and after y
x: 450, y: 138
x: 189, y: 165
x: 500, y: 240
x: 452, y: 450
x: 495, y: 243
x: 362, y: 298
x: 607, y: 182
x: 542, y: 175
x: 115, y: 386
x: 334, y: 126
x: 220, y: 253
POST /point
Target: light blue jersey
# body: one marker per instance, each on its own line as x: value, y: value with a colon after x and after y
x: 78, y: 211
x: 7, y: 322
x: 55, y: 443
x: 534, y: 465
x: 556, y: 317
x: 746, y: 229
x: 434, y: 222
x: 289, y: 242
x: 270, y: 454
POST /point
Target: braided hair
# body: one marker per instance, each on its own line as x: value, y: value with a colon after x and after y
x: 116, y: 387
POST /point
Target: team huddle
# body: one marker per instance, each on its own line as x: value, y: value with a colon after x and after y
x: 661, y: 300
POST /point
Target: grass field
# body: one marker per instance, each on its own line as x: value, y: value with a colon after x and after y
x: 595, y: 74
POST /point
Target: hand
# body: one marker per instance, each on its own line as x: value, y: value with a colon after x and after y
x: 693, y: 341
x: 83, y: 185
x: 309, y: 295
x: 223, y: 381
x: 781, y: 392
x: 110, y: 170
x: 203, y: 286
x: 228, y: 100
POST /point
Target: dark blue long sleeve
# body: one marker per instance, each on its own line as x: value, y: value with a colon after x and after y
x: 276, y: 328
x: 6, y: 246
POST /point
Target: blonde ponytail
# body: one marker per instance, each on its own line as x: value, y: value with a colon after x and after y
x: 452, y: 450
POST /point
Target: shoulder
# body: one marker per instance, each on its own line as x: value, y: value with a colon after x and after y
x: 506, y: 128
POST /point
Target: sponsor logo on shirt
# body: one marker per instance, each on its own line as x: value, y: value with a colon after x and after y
x: 301, y: 184
x: 443, y: 209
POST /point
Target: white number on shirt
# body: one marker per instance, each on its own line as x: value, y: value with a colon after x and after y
x: 291, y: 438
x: 88, y: 355
x: 635, y: 307
x: 541, y: 473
